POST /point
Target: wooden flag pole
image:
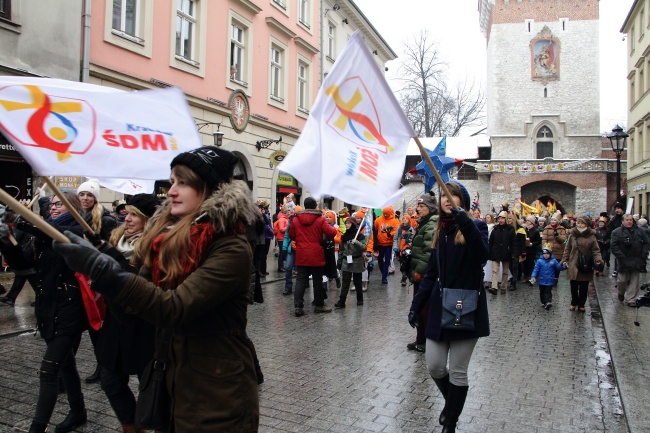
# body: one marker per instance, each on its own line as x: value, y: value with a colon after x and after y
x: 427, y: 158
x: 82, y: 222
x: 30, y: 216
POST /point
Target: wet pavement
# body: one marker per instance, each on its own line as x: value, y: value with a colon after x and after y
x: 349, y: 370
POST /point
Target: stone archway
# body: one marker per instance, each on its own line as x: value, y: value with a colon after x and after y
x: 562, y: 193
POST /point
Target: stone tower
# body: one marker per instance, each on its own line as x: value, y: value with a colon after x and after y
x: 543, y: 105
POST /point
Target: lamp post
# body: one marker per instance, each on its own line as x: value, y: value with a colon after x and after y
x: 618, y: 139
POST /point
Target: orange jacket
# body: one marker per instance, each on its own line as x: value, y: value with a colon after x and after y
x: 385, y: 228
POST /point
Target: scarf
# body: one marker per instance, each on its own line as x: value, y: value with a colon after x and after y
x: 201, y: 235
x: 126, y: 245
x: 350, y: 234
x: 447, y: 222
x: 62, y: 220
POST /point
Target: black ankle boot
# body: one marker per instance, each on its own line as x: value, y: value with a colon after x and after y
x: 72, y: 421
x: 455, y: 403
x: 443, y: 386
x: 94, y: 378
x: 37, y: 428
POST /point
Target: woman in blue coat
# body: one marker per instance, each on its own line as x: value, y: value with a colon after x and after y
x: 460, y: 251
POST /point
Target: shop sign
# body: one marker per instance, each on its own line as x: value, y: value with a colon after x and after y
x: 640, y: 187
x: 285, y: 179
x: 67, y: 183
x: 277, y: 157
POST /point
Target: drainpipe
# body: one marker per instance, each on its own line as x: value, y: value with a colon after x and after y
x: 320, y: 20
x: 85, y: 42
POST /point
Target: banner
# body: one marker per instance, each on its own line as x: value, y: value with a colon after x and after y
x: 354, y: 143
x: 65, y: 128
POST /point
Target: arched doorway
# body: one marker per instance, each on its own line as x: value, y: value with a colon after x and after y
x: 560, y: 194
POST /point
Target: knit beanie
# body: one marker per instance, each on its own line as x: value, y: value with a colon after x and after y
x: 91, y: 186
x: 353, y: 220
x: 585, y: 220
x: 429, y: 201
x: 212, y: 164
x: 145, y: 203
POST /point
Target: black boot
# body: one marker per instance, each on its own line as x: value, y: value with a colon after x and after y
x: 72, y: 422
x: 443, y: 386
x: 338, y: 282
x: 94, y: 378
x: 455, y: 403
x: 37, y: 428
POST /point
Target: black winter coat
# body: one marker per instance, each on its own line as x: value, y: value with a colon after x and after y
x: 59, y: 307
x: 502, y: 243
x: 630, y: 247
x: 461, y: 266
x: 126, y: 342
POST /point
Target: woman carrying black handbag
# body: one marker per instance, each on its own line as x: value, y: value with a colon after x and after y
x: 461, y: 249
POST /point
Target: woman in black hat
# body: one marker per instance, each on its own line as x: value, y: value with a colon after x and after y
x: 193, y: 287
x: 126, y: 343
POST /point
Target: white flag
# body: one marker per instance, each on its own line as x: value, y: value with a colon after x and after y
x: 129, y: 186
x: 65, y: 128
x: 355, y: 140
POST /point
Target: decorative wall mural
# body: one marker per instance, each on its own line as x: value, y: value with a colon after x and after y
x: 545, y: 56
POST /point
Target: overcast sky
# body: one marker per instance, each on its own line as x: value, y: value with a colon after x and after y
x: 447, y: 20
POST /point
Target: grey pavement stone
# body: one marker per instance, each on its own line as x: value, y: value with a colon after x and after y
x: 349, y: 370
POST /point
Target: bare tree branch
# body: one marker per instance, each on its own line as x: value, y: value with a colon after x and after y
x: 430, y: 105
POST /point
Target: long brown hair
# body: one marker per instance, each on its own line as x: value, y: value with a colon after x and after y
x: 118, y: 232
x: 177, y: 240
x: 459, y: 239
x: 72, y: 198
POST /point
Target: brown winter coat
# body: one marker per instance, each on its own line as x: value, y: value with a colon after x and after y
x: 585, y: 242
x: 211, y: 375
x: 557, y: 242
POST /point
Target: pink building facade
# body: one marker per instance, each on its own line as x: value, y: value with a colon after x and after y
x: 250, y: 68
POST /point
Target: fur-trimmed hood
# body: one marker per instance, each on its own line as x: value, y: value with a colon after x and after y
x: 229, y: 207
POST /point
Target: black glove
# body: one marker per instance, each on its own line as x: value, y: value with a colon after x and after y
x: 413, y: 319
x: 106, y: 274
x: 5, y: 231
x: 94, y: 239
x: 460, y: 216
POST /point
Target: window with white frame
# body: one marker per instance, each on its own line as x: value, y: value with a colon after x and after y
x: 304, y: 12
x: 185, y: 29
x: 276, y: 73
x: 125, y: 17
x: 281, y: 3
x: 237, y: 52
x: 331, y: 41
x: 303, y: 86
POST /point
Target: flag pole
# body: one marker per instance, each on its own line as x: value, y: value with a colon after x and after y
x: 32, y: 217
x: 441, y: 183
x: 82, y: 222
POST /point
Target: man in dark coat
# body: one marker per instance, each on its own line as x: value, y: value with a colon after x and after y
x: 613, y: 224
x: 533, y: 246
x: 307, y: 230
x: 629, y: 245
x: 502, y: 241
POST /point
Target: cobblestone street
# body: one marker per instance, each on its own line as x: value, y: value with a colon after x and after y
x: 349, y: 370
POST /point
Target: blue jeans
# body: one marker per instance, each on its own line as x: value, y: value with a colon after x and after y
x: 385, y: 254
x: 288, y: 273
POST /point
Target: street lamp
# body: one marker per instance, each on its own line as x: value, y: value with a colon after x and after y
x: 217, y: 135
x: 618, y: 139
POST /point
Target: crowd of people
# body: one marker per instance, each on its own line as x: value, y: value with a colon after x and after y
x: 177, y: 277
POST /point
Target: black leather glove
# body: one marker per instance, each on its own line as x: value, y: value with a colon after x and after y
x: 460, y: 216
x: 106, y: 274
x: 413, y: 319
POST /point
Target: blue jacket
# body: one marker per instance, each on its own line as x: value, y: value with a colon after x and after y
x: 461, y: 267
x: 545, y: 270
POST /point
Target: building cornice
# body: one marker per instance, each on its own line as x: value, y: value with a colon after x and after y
x: 277, y: 25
